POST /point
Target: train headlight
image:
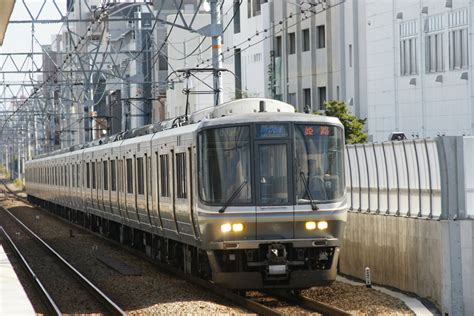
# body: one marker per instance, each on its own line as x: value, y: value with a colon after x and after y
x: 225, y: 228
x: 322, y: 225
x: 237, y: 227
x: 310, y: 225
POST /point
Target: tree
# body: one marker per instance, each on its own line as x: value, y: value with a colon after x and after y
x: 353, y: 126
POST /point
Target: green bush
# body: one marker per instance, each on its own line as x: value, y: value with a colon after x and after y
x: 18, y: 183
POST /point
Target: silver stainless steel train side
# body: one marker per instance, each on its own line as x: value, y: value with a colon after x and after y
x: 249, y: 193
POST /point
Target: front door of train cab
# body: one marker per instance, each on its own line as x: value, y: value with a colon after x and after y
x: 273, y: 179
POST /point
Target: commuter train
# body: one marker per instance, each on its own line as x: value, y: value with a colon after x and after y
x: 249, y: 194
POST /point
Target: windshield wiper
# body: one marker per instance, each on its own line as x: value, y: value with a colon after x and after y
x: 314, y: 206
x: 232, y: 197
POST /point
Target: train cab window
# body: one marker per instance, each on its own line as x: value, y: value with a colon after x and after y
x: 181, y: 176
x: 222, y: 150
x: 319, y: 163
x: 164, y: 176
x: 129, y: 176
x: 113, y: 176
x: 93, y: 175
x: 140, y: 178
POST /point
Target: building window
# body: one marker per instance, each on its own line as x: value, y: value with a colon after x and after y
x: 292, y: 99
x: 458, y: 49
x: 140, y: 178
x: 113, y: 175
x: 238, y: 73
x: 321, y: 33
x: 291, y: 43
x: 106, y: 175
x: 307, y: 97
x: 249, y: 9
x: 129, y: 175
x: 322, y: 97
x: 181, y: 176
x: 278, y: 46
x: 408, y: 57
x: 237, y: 16
x: 306, y: 42
x: 257, y: 7
x: 434, y: 61
x: 164, y: 167
x: 350, y: 55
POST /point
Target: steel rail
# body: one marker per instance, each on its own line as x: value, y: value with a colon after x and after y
x: 111, y: 306
x: 45, y: 296
x: 237, y: 299
x: 311, y: 304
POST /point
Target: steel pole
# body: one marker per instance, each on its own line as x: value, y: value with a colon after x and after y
x: 216, y: 19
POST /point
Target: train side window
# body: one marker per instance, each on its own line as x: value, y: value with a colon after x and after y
x: 113, y: 183
x: 88, y: 176
x: 149, y: 175
x: 181, y: 176
x: 106, y: 175
x: 120, y: 175
x: 77, y: 175
x: 164, y: 168
x: 129, y: 176
x: 93, y: 175
x: 140, y: 179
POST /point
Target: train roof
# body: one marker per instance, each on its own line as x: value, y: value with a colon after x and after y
x: 233, y: 112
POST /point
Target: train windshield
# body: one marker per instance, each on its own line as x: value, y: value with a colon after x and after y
x: 319, y: 163
x: 225, y: 165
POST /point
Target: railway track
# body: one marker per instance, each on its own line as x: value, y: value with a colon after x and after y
x: 297, y: 303
x: 66, y: 276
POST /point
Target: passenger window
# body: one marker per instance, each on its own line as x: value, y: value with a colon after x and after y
x: 129, y: 176
x: 78, y: 176
x: 106, y: 176
x: 149, y: 175
x: 181, y: 176
x: 140, y: 180
x: 88, y: 176
x: 113, y: 175
x: 164, y: 167
x: 120, y: 174
x: 93, y: 176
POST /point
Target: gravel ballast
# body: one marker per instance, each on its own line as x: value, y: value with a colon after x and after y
x: 153, y: 292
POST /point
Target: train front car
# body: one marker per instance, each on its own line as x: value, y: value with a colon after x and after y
x: 272, y: 204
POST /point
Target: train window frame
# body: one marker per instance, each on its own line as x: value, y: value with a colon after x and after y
x: 164, y: 176
x: 129, y: 175
x: 140, y: 176
x: 181, y: 175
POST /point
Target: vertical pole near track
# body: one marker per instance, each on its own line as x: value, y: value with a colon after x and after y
x: 216, y: 20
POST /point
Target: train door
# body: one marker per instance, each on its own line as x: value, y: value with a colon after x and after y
x: 182, y: 212
x: 130, y: 188
x: 274, y: 184
x: 166, y: 192
x: 149, y: 187
x: 121, y: 188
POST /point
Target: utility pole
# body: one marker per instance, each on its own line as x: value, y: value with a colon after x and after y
x: 216, y: 22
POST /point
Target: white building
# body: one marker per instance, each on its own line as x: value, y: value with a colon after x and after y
x: 299, y: 52
x: 419, y: 67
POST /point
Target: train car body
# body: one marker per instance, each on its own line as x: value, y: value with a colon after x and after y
x: 249, y: 193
